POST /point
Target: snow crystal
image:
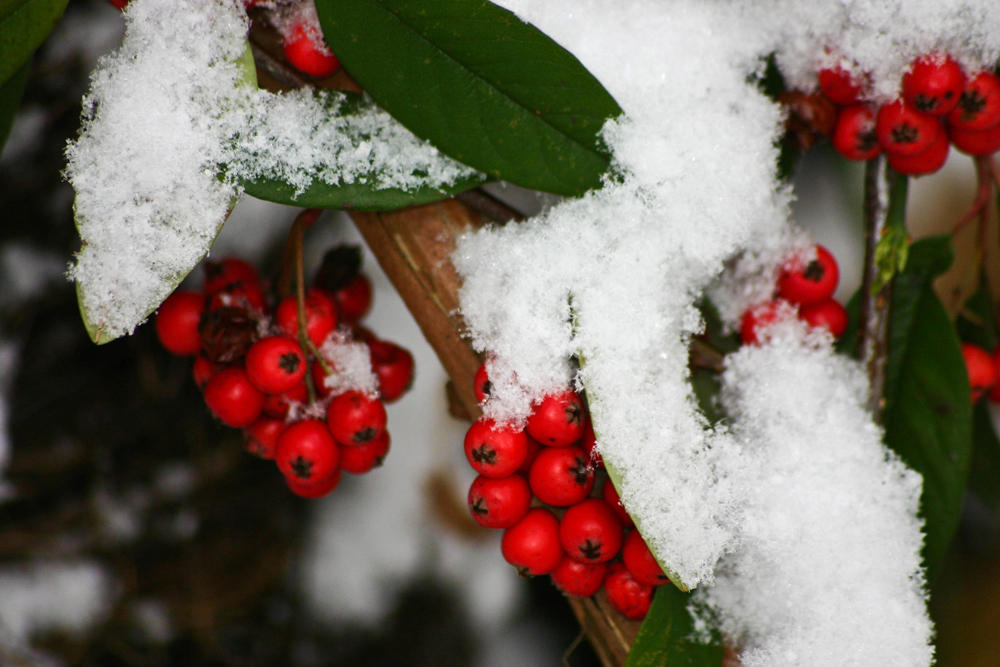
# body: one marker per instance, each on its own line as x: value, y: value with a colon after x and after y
x: 815, y: 468
x: 166, y: 114
x: 351, y: 364
x: 52, y: 596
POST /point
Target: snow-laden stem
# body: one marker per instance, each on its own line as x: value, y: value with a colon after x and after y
x: 885, y: 211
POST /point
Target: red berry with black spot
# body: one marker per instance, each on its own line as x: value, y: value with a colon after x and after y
x: 493, y: 450
x: 356, y: 418
x: 262, y: 436
x: 393, y: 365
x: 230, y: 270
x: 307, y: 52
x: 934, y: 84
x: 854, y: 134
x: 532, y: 544
x: 981, y: 142
x: 590, y: 531
x: 279, y: 405
x: 628, y: 597
x: 902, y: 130
x: 307, y: 453
x: 980, y: 369
x: 482, y: 384
x: 579, y: 579
x: 806, y: 281
x: 363, y: 458
x: 233, y: 398
x: 994, y: 393
x: 838, y: 85
x: 558, y: 420
x: 828, y: 314
x: 640, y: 562
x: 927, y: 162
x: 321, y: 316
x: 611, y: 497
x: 177, y: 322
x: 499, y: 503
x: 978, y: 107
x: 276, y: 364
x: 561, y: 476
x: 354, y: 299
x: 317, y: 490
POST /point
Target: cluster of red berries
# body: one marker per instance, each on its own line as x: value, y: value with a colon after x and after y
x: 984, y: 370
x: 546, y: 487
x: 807, y: 286
x: 940, y: 104
x: 253, y: 371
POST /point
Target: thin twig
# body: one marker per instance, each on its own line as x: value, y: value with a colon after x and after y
x: 873, y: 330
x: 983, y: 193
x: 572, y: 647
x: 304, y: 219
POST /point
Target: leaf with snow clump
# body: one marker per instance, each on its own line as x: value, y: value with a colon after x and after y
x: 665, y: 637
x: 10, y: 99
x: 480, y: 84
x: 367, y: 189
x: 24, y: 25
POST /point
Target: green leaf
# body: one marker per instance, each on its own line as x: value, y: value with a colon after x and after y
x: 664, y: 640
x: 975, y: 322
x: 928, y: 415
x: 484, y: 87
x: 984, y: 471
x: 24, y: 25
x: 10, y: 99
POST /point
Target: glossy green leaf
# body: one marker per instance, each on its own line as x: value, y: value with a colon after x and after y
x: 928, y: 415
x: 480, y: 84
x: 11, y: 93
x: 664, y: 640
x: 24, y: 25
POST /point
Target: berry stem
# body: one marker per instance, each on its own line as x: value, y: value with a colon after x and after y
x: 305, y: 219
x: 980, y: 206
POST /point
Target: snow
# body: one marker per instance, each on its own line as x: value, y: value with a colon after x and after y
x: 150, y: 196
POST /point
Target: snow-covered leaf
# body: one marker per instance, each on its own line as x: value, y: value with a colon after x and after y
x: 24, y: 25
x: 665, y: 637
x: 484, y: 87
x: 10, y: 99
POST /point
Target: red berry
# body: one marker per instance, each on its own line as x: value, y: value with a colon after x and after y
x: 927, y: 162
x: 558, y: 420
x: 229, y: 270
x: 321, y: 316
x: 307, y: 453
x: 837, y: 84
x: 903, y: 130
x: 854, y: 134
x: 307, y: 52
x: 532, y: 544
x: 610, y: 495
x: 393, y: 365
x: 203, y: 370
x: 317, y: 490
x: 981, y: 371
x: 279, y: 405
x: 482, y: 384
x: 240, y: 294
x: 233, y: 398
x: 561, y: 476
x: 828, y: 314
x: 354, y: 299
x: 982, y: 142
x: 756, y: 320
x: 579, y: 579
x: 630, y: 598
x: 493, y: 450
x: 262, y: 436
x: 807, y: 283
x: 177, y: 323
x: 533, y: 448
x: 499, y: 503
x: 994, y: 394
x: 356, y: 418
x: 119, y: 4
x: 640, y: 562
x: 934, y: 84
x: 590, y: 531
x: 275, y: 364
x: 360, y: 459
x: 978, y: 107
